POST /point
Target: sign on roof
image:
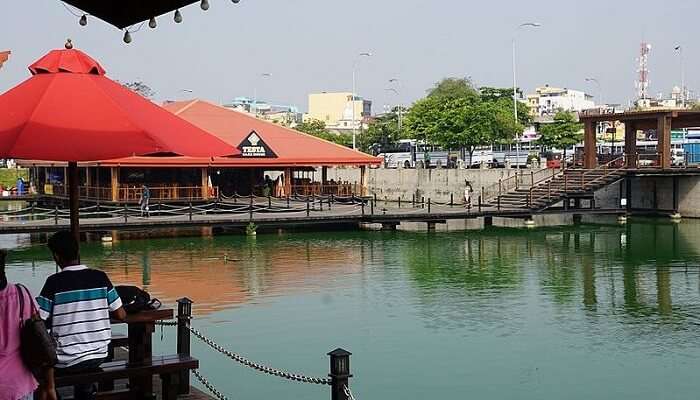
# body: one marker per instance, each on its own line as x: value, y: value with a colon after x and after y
x: 254, y: 147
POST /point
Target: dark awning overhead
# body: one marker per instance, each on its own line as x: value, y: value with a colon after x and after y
x: 124, y: 13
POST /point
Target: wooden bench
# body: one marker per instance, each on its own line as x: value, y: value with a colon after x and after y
x: 167, y: 367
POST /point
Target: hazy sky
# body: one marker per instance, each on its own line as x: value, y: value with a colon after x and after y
x: 309, y: 46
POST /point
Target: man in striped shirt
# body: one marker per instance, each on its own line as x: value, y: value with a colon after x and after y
x: 76, y: 303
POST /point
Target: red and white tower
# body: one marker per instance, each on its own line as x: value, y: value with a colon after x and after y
x: 642, y: 83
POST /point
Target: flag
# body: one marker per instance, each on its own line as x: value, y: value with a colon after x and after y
x: 4, y: 55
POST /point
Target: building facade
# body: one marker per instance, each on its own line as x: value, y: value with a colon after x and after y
x: 548, y: 100
x: 336, y: 110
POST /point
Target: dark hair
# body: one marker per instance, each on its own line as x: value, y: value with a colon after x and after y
x: 3, y: 277
x: 63, y: 244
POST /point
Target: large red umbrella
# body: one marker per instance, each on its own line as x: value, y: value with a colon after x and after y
x: 70, y: 111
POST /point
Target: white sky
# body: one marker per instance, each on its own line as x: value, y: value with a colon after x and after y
x: 309, y: 45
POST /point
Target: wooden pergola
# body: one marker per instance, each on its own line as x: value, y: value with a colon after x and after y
x: 663, y: 121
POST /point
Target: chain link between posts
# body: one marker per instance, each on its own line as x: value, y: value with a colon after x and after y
x: 348, y: 393
x: 244, y: 361
x: 204, y: 381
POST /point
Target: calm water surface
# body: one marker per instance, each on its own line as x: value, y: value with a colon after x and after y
x: 586, y: 312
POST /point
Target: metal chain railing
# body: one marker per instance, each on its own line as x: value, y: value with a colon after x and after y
x: 204, y: 381
x: 348, y: 393
x: 262, y: 368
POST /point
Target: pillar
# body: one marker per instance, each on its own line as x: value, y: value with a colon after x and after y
x: 631, y: 144
x: 363, y: 179
x: 676, y: 190
x: 324, y: 175
x: 288, y: 181
x: 205, y: 183
x: 590, y: 156
x: 663, y: 131
x: 115, y: 183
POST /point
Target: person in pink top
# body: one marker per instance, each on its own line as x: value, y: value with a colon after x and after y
x: 16, y: 381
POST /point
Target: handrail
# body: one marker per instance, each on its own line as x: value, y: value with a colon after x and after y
x: 584, y: 172
x: 517, y: 181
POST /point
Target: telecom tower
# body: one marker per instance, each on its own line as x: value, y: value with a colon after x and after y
x: 642, y: 83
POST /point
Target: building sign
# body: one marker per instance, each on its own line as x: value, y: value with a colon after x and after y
x: 253, y: 146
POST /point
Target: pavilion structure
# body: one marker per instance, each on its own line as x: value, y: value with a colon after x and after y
x: 660, y: 121
x: 296, y: 162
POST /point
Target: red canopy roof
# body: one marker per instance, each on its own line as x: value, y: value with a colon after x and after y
x: 69, y: 111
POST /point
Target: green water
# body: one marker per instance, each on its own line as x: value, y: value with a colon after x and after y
x: 586, y: 312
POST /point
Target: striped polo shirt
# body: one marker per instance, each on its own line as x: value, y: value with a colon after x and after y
x: 75, y: 303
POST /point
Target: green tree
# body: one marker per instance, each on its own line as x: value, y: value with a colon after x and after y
x: 383, y: 131
x: 504, y: 97
x: 565, y: 131
x: 318, y: 128
x: 454, y: 88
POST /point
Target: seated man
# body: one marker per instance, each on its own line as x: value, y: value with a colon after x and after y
x: 76, y: 304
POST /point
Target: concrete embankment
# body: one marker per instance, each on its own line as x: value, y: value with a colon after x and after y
x: 436, y: 184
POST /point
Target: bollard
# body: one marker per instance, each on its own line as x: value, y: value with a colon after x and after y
x: 452, y: 200
x: 190, y: 211
x: 499, y: 203
x: 320, y: 204
x: 55, y: 215
x: 363, y: 207
x: 184, y: 316
x: 371, y: 206
x: 428, y: 205
x: 479, y: 203
x: 375, y: 198
x: 287, y: 201
x: 126, y: 213
x: 308, y: 209
x: 413, y: 200
x: 422, y: 202
x: 269, y: 202
x: 250, y: 208
x: 399, y: 201
x: 330, y: 201
x: 340, y: 374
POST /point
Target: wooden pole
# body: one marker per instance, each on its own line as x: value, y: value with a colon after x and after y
x: 74, y: 199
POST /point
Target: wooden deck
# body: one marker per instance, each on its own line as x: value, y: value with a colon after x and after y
x: 339, y: 215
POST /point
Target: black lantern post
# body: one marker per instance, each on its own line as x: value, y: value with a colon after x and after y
x: 340, y: 374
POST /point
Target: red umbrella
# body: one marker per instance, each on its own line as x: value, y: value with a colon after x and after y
x: 70, y: 111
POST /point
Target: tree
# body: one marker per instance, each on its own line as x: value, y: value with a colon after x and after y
x: 504, y: 97
x: 140, y: 88
x: 565, y: 131
x: 454, y: 88
x: 318, y: 128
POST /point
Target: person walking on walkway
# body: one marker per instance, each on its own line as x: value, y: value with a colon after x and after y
x: 76, y: 304
x: 143, y: 203
x: 16, y: 381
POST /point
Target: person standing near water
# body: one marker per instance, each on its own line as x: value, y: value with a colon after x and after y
x: 468, y: 194
x: 145, y: 197
x: 16, y: 381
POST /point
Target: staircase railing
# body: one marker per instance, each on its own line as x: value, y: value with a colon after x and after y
x: 595, y: 172
x: 521, y: 180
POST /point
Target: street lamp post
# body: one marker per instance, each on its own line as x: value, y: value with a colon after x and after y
x: 352, y: 99
x: 255, y: 91
x: 600, y: 90
x: 515, y: 87
x: 679, y: 49
x: 398, y: 103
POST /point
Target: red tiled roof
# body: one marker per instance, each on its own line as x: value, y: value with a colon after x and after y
x: 291, y: 147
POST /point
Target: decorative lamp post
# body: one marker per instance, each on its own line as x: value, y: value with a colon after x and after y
x: 340, y: 374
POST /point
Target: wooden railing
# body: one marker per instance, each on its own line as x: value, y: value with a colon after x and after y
x: 319, y: 189
x: 521, y: 180
x: 133, y: 194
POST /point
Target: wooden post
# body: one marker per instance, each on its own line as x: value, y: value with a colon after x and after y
x: 428, y: 205
x: 250, y: 208
x: 190, y: 211
x: 74, y: 200
x: 115, y: 183
x: 126, y: 212
x: 631, y: 144
x: 55, y: 215
x: 308, y: 206
x: 205, y: 183
x: 452, y: 199
x: 590, y: 159
x: 399, y: 201
x: 324, y: 175
x: 184, y: 316
x: 288, y: 182
x: 371, y: 206
x: 664, y: 141
x: 340, y: 374
x: 363, y: 179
